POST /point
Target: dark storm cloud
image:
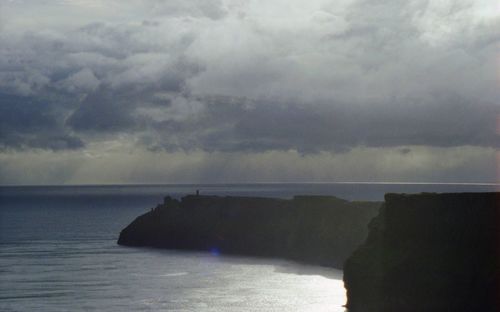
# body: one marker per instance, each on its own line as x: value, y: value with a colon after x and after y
x: 27, y: 122
x: 230, y: 124
x: 82, y: 59
x: 95, y: 76
x: 101, y: 112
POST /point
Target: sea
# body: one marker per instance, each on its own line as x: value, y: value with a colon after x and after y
x: 58, y: 252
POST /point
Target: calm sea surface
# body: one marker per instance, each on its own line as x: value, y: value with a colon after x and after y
x: 58, y: 252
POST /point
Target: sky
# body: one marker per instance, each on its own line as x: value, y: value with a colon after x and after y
x: 233, y: 91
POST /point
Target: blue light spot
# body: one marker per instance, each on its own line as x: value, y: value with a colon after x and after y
x: 214, y: 251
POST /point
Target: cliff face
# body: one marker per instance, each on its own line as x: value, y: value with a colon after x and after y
x: 314, y: 229
x: 429, y: 252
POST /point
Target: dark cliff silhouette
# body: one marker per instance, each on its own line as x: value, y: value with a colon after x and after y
x: 429, y: 252
x: 321, y: 230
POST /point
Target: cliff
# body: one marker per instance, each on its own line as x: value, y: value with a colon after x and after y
x: 314, y: 229
x: 428, y: 252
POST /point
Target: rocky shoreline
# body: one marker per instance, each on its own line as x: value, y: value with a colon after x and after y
x: 322, y: 230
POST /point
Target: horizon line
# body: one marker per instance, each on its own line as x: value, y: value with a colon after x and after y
x: 257, y: 183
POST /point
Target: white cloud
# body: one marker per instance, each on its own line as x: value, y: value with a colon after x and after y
x: 83, y: 80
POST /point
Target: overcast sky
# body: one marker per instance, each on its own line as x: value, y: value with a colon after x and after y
x: 188, y: 91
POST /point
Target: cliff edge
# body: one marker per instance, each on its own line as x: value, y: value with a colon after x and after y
x: 428, y: 252
x: 321, y: 230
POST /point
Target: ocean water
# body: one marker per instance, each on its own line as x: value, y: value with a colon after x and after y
x: 58, y: 252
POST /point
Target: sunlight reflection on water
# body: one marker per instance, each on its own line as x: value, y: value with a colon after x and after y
x: 100, y: 275
x: 243, y: 284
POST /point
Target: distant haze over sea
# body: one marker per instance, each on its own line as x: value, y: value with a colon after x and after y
x: 346, y: 190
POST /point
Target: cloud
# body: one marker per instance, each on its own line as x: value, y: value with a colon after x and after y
x: 249, y: 76
x: 234, y: 124
x: 364, y: 52
x: 97, y: 74
x: 103, y: 112
x: 27, y: 122
x: 213, y: 9
x: 81, y: 81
